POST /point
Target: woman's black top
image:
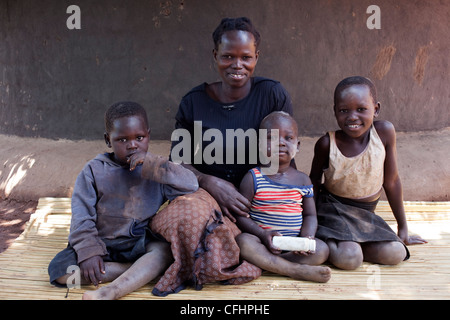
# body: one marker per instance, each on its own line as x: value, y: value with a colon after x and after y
x: 231, y: 158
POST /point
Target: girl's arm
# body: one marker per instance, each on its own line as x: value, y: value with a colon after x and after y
x: 392, y: 184
x: 320, y: 162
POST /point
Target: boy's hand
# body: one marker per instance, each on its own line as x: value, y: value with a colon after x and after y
x: 92, y: 269
x: 136, y: 159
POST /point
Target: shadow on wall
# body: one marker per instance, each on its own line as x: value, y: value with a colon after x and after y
x: 13, y: 172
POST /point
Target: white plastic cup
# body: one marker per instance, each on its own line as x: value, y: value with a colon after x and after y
x: 294, y: 243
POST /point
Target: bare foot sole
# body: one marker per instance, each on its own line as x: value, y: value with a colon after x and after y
x: 103, y: 293
x: 312, y: 273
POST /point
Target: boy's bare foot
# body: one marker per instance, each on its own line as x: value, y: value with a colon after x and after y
x: 104, y: 293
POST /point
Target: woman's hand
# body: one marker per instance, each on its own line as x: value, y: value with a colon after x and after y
x: 227, y: 196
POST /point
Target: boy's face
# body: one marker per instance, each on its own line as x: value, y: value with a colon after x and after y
x: 355, y: 110
x: 128, y: 136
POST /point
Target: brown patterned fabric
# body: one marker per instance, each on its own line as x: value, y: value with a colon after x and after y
x: 203, y: 245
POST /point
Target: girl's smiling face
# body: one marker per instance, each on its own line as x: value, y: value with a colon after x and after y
x: 128, y: 136
x: 236, y: 57
x: 355, y: 110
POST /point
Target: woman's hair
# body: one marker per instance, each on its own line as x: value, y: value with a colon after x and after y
x: 230, y: 24
x: 354, y: 81
x: 121, y: 110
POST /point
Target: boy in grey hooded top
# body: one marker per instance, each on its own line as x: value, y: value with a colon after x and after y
x: 114, y: 198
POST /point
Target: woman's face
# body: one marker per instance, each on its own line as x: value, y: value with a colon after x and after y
x: 236, y: 57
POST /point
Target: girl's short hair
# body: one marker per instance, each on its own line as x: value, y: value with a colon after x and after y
x: 231, y: 24
x: 353, y: 81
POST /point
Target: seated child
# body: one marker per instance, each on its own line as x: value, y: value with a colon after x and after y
x: 115, y: 196
x: 291, y: 213
x: 357, y: 162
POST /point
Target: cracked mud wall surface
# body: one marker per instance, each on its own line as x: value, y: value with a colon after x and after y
x: 56, y: 83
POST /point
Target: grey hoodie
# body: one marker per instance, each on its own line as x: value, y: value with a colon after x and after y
x: 110, y: 201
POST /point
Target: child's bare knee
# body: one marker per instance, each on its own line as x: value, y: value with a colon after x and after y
x: 351, y: 260
x: 244, y: 238
x: 159, y: 247
x: 395, y: 253
x: 322, y: 251
x: 63, y: 280
x: 348, y: 256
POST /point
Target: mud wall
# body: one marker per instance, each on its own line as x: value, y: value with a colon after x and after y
x: 56, y: 82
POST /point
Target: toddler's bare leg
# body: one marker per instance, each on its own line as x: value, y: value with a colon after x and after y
x: 145, y: 269
x: 319, y: 256
x: 384, y: 252
x: 255, y: 252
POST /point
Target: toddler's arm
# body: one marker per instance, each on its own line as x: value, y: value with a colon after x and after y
x: 249, y: 226
x: 309, y: 225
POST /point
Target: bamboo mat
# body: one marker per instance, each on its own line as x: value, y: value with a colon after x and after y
x: 23, y: 266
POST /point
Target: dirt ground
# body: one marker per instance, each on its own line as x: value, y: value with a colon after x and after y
x: 13, y: 217
x: 31, y: 168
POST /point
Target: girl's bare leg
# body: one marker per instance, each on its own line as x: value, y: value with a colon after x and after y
x: 256, y: 253
x: 347, y: 255
x: 384, y: 252
x: 145, y: 269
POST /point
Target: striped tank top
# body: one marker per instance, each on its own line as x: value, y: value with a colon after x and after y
x: 277, y: 206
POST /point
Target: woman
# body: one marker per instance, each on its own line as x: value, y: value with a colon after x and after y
x: 239, y: 101
x: 202, y: 239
